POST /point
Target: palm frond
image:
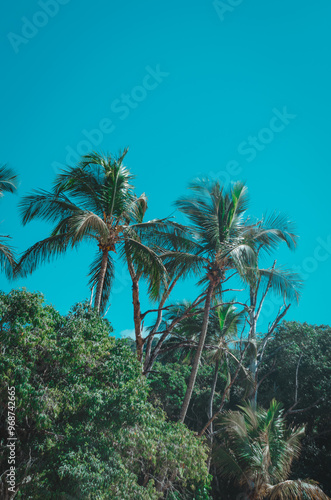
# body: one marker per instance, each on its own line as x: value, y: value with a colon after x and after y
x: 94, y: 274
x: 183, y: 263
x: 41, y: 252
x: 7, y: 259
x: 283, y: 282
x: 8, y: 180
x: 83, y: 224
x: 46, y: 206
x: 147, y: 264
x: 85, y: 186
x: 272, y: 230
x: 296, y: 490
x: 242, y: 258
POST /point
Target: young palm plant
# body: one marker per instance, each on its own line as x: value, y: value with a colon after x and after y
x: 229, y: 320
x: 8, y: 184
x: 257, y: 454
x: 225, y: 242
x: 94, y: 201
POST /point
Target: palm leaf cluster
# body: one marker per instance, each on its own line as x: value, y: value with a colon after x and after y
x: 95, y: 202
x: 8, y: 184
x: 257, y: 452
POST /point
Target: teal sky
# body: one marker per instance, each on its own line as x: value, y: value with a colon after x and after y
x: 243, y: 94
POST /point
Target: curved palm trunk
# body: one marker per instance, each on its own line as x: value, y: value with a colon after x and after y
x: 151, y: 337
x: 198, y: 353
x: 212, y: 394
x: 101, y: 280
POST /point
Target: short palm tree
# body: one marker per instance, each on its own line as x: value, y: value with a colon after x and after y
x: 224, y: 242
x: 93, y: 201
x: 228, y: 322
x: 257, y: 454
x: 8, y: 183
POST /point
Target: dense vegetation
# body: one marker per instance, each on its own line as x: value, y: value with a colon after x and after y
x: 209, y: 403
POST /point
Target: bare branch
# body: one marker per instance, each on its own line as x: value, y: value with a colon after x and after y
x: 227, y: 389
x: 265, y: 292
x: 291, y: 410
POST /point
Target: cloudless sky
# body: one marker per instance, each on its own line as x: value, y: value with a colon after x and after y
x: 224, y: 76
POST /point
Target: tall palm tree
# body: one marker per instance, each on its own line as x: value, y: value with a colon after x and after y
x: 257, y: 454
x: 8, y: 184
x: 93, y: 201
x: 225, y: 242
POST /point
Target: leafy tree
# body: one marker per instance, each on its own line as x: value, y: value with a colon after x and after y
x: 84, y: 426
x: 296, y: 369
x: 258, y: 452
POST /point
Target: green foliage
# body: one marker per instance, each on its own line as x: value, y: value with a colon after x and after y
x: 305, y: 348
x: 258, y: 451
x: 169, y: 381
x: 84, y: 425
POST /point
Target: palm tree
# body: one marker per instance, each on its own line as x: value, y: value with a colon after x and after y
x: 257, y: 454
x: 225, y: 242
x: 8, y: 183
x: 94, y: 201
x: 229, y: 319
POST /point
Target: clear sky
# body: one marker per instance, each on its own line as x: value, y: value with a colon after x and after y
x: 234, y: 89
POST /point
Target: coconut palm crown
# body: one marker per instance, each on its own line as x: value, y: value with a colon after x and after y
x: 94, y: 201
x: 258, y: 451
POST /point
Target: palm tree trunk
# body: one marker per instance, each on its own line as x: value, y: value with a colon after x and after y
x: 210, y: 411
x: 136, y: 306
x: 101, y: 280
x: 198, y: 353
x: 212, y: 394
x: 137, y: 319
x: 151, y: 337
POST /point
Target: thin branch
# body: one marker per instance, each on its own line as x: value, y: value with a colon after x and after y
x: 168, y: 330
x: 273, y: 353
x: 280, y: 315
x: 290, y: 410
x: 265, y: 292
x: 154, y: 310
x: 227, y: 389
